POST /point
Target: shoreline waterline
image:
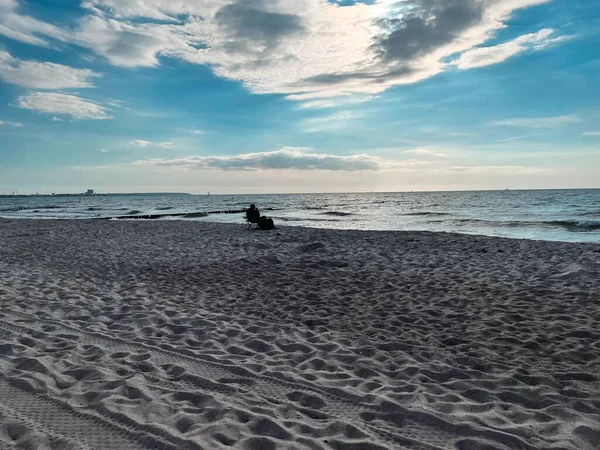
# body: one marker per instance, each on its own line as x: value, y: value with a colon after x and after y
x: 241, y: 228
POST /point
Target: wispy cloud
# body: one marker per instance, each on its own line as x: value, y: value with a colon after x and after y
x: 143, y: 144
x: 333, y: 102
x: 292, y: 158
x: 63, y: 104
x: 504, y: 170
x: 427, y: 153
x: 516, y: 138
x: 196, y: 131
x: 539, y: 122
x: 43, y: 75
x: 591, y: 133
x: 23, y: 28
x: 332, y: 122
x: 10, y: 124
x: 140, y: 143
x: 486, y: 56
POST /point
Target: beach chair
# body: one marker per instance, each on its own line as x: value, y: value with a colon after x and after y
x: 251, y: 222
x: 252, y: 218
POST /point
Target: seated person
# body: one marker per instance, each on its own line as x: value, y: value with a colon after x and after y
x: 252, y: 214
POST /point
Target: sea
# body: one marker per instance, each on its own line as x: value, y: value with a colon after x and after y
x: 555, y: 215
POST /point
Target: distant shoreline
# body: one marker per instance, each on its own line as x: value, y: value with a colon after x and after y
x: 245, y: 194
x: 94, y: 195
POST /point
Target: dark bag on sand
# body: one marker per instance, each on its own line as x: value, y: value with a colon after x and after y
x: 266, y: 224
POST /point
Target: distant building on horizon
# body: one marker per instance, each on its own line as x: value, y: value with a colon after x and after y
x: 89, y: 192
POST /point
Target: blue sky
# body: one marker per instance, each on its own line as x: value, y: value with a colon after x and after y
x: 298, y: 96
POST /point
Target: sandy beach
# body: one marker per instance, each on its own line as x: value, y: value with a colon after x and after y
x: 190, y: 335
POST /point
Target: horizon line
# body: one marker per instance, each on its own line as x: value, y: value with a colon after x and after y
x: 78, y: 194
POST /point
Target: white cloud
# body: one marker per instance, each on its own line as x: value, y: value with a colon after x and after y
x: 43, y: 75
x: 123, y: 44
x: 316, y: 52
x: 313, y: 50
x: 144, y: 144
x: 485, y: 56
x: 591, y: 133
x: 10, y: 124
x: 25, y: 28
x: 295, y: 167
x: 427, y: 152
x: 63, y: 104
x: 198, y: 131
x: 140, y: 143
x: 56, y: 119
x: 539, y: 122
x: 287, y: 158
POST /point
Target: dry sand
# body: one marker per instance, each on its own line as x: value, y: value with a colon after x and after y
x: 187, y: 335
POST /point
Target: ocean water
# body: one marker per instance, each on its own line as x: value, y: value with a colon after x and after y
x: 558, y: 215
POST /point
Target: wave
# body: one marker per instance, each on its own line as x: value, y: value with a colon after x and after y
x: 27, y: 208
x: 575, y: 225
x: 133, y: 212
x: 572, y: 225
x: 164, y: 208
x: 93, y: 208
x: 427, y: 213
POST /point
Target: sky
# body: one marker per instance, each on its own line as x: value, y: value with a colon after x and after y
x: 262, y: 96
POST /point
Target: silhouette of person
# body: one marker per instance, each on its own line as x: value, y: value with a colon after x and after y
x: 252, y: 214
